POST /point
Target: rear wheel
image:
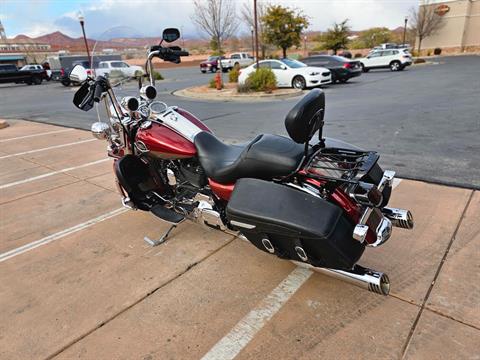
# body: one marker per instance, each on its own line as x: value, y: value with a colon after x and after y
x: 203, y: 71
x: 395, y: 66
x: 37, y: 80
x: 344, y: 80
x: 213, y: 69
x: 365, y: 69
x: 298, y: 82
x: 66, y: 82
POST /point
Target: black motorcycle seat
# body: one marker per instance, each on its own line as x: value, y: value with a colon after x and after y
x: 265, y: 157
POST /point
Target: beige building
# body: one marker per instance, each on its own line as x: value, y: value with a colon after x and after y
x: 461, y: 29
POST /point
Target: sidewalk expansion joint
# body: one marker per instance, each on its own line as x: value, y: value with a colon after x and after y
x: 437, y: 312
x: 138, y: 301
x: 437, y: 273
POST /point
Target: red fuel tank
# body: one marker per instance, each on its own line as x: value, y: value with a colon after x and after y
x: 165, y: 143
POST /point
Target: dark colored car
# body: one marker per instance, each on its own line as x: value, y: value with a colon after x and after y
x: 211, y: 64
x: 342, y: 69
x: 10, y: 74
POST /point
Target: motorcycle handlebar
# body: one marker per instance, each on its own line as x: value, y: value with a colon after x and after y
x: 98, y: 92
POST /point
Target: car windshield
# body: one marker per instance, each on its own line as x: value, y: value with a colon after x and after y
x: 294, y: 64
x: 212, y: 58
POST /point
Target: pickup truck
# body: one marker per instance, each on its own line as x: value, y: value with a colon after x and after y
x: 236, y: 59
x: 10, y: 74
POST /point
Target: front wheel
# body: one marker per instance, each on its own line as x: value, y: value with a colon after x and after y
x: 37, y: 80
x: 395, y: 66
x: 299, y: 82
x: 213, y: 69
x: 66, y: 82
x: 365, y: 69
x: 203, y: 71
x: 344, y: 80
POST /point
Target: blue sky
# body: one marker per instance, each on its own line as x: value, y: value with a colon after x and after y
x: 149, y: 17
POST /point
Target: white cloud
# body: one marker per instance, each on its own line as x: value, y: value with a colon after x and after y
x: 147, y: 17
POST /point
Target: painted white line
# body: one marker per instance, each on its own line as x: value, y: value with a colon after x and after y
x: 47, y: 148
x: 48, y: 239
x: 51, y: 174
x: 33, y: 135
x: 396, y: 182
x: 242, y: 333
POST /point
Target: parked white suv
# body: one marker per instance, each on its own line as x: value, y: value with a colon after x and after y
x: 237, y: 59
x: 395, y: 59
x: 105, y: 67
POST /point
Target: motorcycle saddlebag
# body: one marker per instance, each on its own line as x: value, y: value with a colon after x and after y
x: 279, y: 219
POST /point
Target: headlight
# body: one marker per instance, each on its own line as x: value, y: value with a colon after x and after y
x: 314, y: 73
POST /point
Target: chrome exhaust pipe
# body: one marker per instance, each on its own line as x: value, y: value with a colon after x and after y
x: 365, y: 278
x: 399, y: 217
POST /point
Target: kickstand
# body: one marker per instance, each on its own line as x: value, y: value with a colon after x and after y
x: 162, y: 239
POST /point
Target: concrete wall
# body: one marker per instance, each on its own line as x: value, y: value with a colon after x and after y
x: 461, y: 25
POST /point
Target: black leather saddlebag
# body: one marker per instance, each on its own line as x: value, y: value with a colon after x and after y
x: 293, y: 224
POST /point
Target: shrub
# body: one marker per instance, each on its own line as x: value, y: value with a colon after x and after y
x: 429, y: 53
x: 262, y: 79
x: 357, y: 55
x: 212, y: 84
x: 234, y: 74
x: 243, y: 88
x: 157, y: 75
x: 437, y: 51
x: 419, y: 61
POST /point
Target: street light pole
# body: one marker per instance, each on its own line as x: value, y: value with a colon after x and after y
x: 405, y: 30
x: 256, y: 30
x: 82, y: 23
x: 305, y: 45
x: 253, y: 40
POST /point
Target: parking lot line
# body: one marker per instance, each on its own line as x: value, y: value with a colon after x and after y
x: 34, y: 135
x: 241, y: 334
x: 43, y: 241
x: 47, y: 148
x: 51, y: 174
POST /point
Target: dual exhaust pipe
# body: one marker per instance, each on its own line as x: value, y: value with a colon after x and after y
x: 368, y: 279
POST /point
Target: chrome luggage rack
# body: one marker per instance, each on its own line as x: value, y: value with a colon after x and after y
x: 340, y: 165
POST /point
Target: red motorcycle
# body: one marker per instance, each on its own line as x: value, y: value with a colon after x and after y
x: 316, y: 202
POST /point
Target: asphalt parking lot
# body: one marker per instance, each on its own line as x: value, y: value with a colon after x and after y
x: 78, y: 281
x: 424, y: 122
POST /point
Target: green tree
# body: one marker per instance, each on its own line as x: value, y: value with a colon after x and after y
x: 375, y: 36
x: 283, y: 27
x: 336, y: 37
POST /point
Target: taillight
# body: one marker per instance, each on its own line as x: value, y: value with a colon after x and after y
x: 347, y: 66
x: 89, y: 72
x: 62, y: 72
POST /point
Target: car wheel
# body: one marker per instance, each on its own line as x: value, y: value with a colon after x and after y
x: 66, y: 82
x: 37, y: 80
x: 365, y: 69
x: 344, y: 81
x: 395, y: 66
x: 214, y: 69
x: 298, y: 82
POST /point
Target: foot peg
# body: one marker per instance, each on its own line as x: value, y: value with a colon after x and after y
x: 162, y: 239
x: 167, y: 215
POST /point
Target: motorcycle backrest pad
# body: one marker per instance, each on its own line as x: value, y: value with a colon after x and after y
x: 306, y: 117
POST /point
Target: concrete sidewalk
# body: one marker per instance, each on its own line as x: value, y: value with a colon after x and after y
x: 78, y: 281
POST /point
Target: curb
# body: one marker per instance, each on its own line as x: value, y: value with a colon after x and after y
x: 3, y: 124
x: 186, y: 93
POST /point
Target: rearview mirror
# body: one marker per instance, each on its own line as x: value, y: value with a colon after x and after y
x: 170, y: 35
x: 283, y: 67
x: 78, y: 74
